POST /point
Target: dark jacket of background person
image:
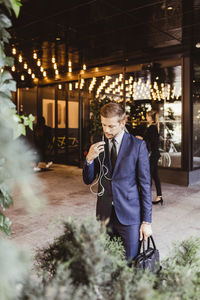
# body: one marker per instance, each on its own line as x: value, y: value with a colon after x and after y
x: 151, y: 137
x: 42, y: 138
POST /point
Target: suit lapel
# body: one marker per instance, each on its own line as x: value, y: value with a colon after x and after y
x: 121, y: 151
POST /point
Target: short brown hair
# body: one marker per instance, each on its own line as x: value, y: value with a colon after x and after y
x: 113, y: 110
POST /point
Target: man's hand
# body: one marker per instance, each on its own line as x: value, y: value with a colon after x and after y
x: 145, y: 231
x: 94, y: 151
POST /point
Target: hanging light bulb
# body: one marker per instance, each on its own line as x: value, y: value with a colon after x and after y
x: 25, y: 66
x: 22, y: 77
x: 56, y: 72
x: 38, y: 63
x: 34, y: 55
x: 76, y: 85
x: 41, y: 69
x: 70, y: 69
x: 44, y: 73
x: 55, y: 66
x: 69, y: 63
x: 84, y: 67
x: 14, y: 51
x: 29, y: 71
x: 13, y: 68
x: 53, y: 60
x: 60, y: 86
x: 20, y: 58
x: 33, y: 75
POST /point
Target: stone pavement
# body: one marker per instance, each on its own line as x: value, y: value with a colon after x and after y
x: 68, y: 196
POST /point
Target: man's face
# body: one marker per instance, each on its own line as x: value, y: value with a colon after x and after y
x: 112, y: 126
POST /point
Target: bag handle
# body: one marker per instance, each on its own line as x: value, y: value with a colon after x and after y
x: 142, y: 244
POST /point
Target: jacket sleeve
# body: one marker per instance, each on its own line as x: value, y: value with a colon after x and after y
x: 90, y: 171
x: 144, y: 180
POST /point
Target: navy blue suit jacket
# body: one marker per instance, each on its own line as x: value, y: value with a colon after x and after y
x: 130, y: 186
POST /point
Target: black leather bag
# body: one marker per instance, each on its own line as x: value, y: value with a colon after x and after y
x: 149, y: 258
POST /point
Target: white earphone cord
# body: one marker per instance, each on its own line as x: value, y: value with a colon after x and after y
x: 101, y: 174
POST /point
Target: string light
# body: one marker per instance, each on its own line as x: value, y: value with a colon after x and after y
x: 13, y: 68
x: 33, y: 75
x: 76, y: 85
x: 34, y: 55
x: 20, y: 58
x: 22, y: 77
x: 55, y: 66
x: 70, y: 86
x: 84, y: 67
x: 70, y: 69
x: 69, y: 63
x: 14, y: 51
x: 41, y: 69
x: 38, y: 63
x: 44, y: 73
x: 53, y: 60
x: 60, y: 86
x: 56, y: 72
x: 25, y: 66
x: 29, y: 71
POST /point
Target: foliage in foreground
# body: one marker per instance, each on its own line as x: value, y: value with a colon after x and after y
x: 83, y: 264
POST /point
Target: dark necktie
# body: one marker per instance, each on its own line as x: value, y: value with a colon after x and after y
x: 113, y: 154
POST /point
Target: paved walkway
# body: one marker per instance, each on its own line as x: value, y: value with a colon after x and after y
x: 68, y: 196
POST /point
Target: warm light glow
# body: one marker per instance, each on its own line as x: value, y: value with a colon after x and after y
x: 53, y: 60
x: 29, y: 71
x: 60, y: 86
x: 170, y: 8
x: 38, y: 63
x: 69, y: 63
x: 55, y: 66
x: 13, y: 68
x: 33, y: 75
x: 25, y: 66
x: 84, y: 67
x: 56, y: 72
x: 41, y: 69
x: 34, y: 55
x: 20, y: 58
x: 76, y: 85
x: 14, y: 51
x: 22, y: 77
x: 44, y: 73
x: 70, y: 70
x: 70, y: 86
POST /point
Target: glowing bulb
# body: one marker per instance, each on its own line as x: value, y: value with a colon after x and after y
x: 22, y: 77
x: 60, y: 86
x: 70, y: 86
x: 56, y: 72
x: 14, y: 51
x: 34, y: 55
x: 33, y: 75
x: 38, y: 63
x: 70, y: 69
x: 53, y: 60
x: 41, y: 69
x: 13, y: 68
x: 55, y: 66
x: 69, y: 63
x: 76, y: 85
x: 84, y: 67
x: 25, y: 66
x: 20, y: 58
x: 29, y: 71
x: 44, y: 73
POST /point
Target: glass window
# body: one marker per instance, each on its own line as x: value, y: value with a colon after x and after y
x: 196, y: 114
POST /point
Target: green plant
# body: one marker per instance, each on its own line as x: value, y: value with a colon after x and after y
x: 14, y: 168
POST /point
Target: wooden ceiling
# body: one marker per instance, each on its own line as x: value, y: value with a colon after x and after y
x: 103, y: 32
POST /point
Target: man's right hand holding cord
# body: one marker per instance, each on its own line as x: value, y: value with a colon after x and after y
x: 94, y: 151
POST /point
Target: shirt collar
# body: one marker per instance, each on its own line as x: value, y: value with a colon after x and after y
x: 119, y: 137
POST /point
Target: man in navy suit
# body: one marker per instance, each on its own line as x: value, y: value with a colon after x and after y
x: 125, y: 202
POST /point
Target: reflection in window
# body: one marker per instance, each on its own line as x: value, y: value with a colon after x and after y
x: 196, y: 115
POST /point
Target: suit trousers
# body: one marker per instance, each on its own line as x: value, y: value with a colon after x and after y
x: 129, y: 235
